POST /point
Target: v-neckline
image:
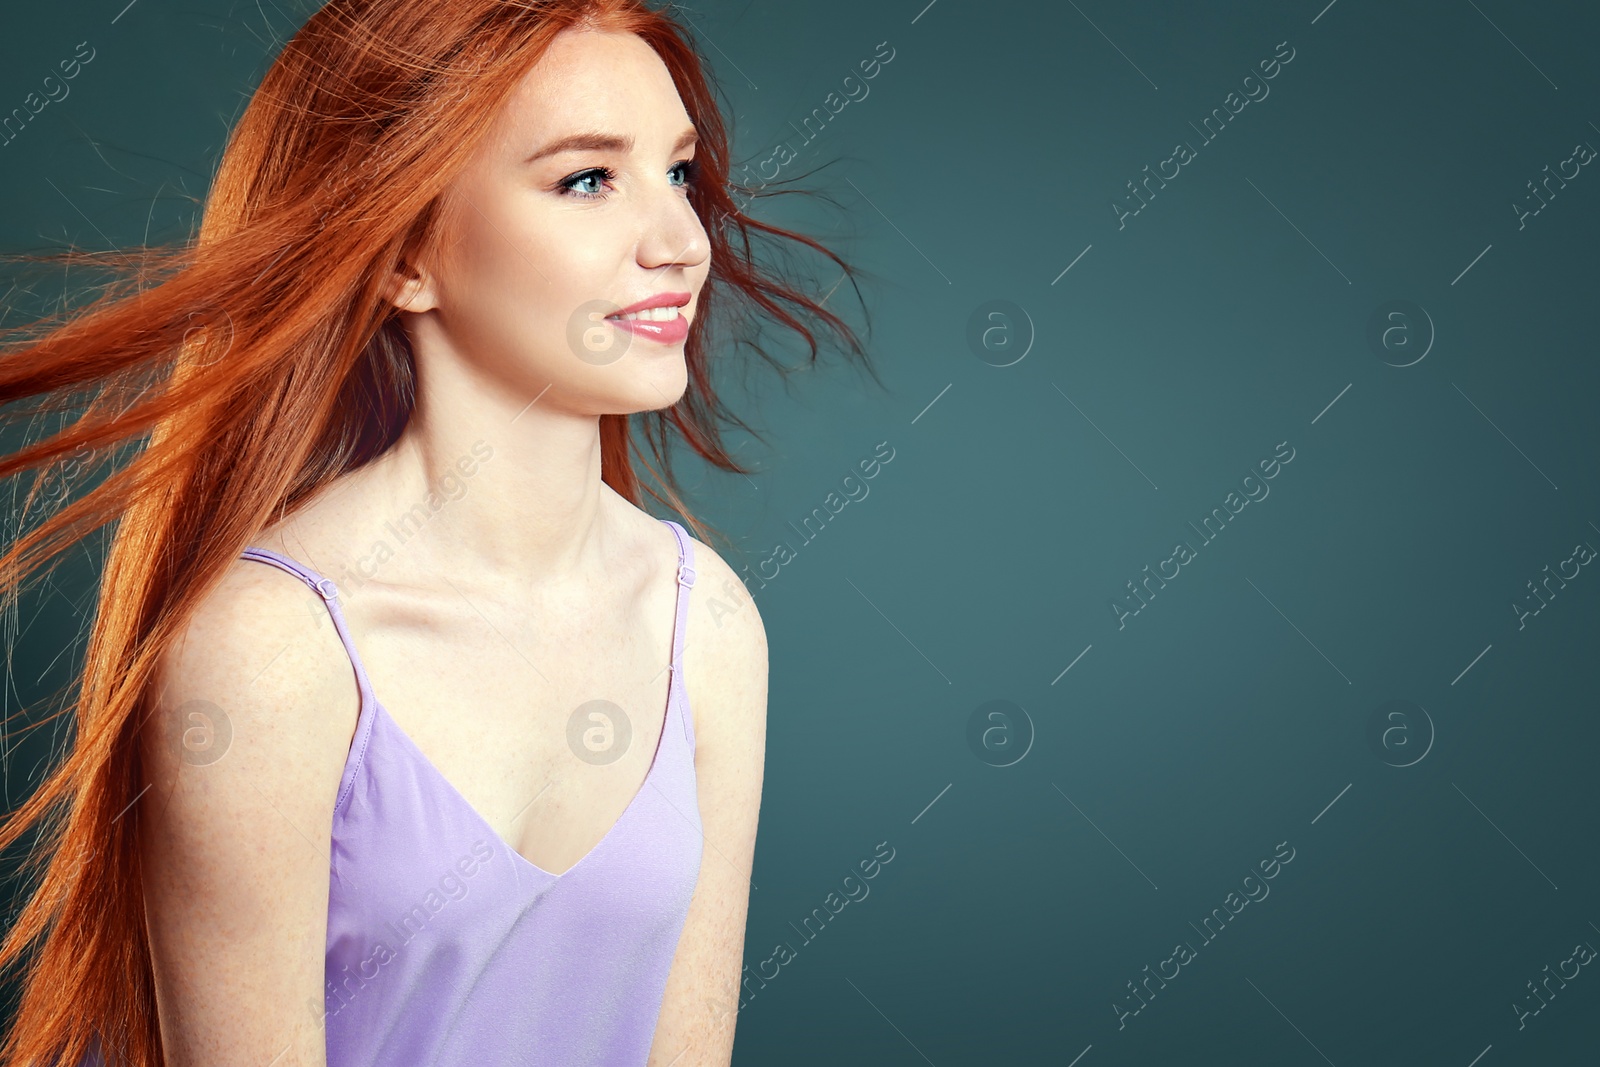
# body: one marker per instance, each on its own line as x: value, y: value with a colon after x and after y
x: 673, y: 696
x: 369, y: 701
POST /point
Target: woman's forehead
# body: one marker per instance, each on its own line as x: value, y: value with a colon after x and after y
x: 592, y: 77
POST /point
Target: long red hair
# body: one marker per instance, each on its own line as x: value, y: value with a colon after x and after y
x: 253, y: 365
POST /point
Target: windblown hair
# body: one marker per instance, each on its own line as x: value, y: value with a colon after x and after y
x: 223, y: 382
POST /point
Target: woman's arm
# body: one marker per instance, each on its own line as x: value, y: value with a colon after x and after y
x: 725, y: 672
x: 243, y: 753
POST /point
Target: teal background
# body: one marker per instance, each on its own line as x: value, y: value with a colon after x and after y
x: 1232, y: 714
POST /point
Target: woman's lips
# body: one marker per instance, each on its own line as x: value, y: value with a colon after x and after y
x: 670, y: 332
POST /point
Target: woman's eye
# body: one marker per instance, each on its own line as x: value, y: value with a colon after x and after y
x: 583, y: 184
x: 690, y: 168
x: 594, y: 174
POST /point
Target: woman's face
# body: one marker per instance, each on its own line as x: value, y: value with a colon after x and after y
x: 552, y: 228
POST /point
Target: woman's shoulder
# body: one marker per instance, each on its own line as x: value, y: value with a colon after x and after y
x: 724, y: 603
x: 722, y: 614
x: 243, y: 747
x: 725, y: 650
x: 261, y: 639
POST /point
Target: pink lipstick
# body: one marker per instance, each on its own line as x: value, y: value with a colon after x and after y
x: 669, y: 331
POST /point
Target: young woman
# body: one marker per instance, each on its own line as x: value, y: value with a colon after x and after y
x: 405, y: 735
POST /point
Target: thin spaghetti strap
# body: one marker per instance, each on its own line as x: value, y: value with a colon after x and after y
x: 329, y: 592
x: 686, y: 577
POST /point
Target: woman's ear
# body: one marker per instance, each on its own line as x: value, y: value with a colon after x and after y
x: 410, y: 289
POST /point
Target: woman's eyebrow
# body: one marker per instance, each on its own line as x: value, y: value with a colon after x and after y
x: 606, y: 142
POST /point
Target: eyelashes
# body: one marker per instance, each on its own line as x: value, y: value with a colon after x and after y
x: 689, y: 167
x: 565, y: 187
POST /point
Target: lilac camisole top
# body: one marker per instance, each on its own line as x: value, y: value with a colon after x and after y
x: 447, y: 947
